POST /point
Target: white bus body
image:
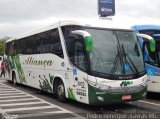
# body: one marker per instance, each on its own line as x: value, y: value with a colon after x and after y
x: 34, y: 60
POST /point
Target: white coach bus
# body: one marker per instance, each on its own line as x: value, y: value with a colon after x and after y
x: 86, y: 63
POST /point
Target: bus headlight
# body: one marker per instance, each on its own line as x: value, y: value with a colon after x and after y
x: 144, y: 81
x: 99, y: 86
x: 102, y: 87
x: 144, y: 94
x: 100, y: 98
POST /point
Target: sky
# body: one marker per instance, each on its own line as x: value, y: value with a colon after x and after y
x: 21, y: 16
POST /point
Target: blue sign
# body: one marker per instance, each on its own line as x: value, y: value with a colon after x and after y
x: 74, y: 71
x: 126, y: 67
x: 106, y: 8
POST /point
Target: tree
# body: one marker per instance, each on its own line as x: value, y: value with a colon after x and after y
x: 2, y: 45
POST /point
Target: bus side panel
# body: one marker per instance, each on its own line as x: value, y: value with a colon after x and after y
x: 37, y: 71
x: 153, y: 78
x: 153, y: 84
x: 7, y: 68
x: 80, y: 79
x: 36, y: 68
x: 10, y: 65
x: 56, y: 70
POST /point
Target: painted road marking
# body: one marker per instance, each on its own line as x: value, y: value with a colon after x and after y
x: 41, y: 114
x: 148, y: 102
x: 23, y: 103
x: 8, y: 92
x: 28, y: 108
x: 12, y: 100
x: 16, y: 104
x: 4, y: 94
x: 21, y: 96
x: 3, y: 90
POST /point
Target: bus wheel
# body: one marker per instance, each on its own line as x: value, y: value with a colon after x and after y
x: 61, y: 92
x: 14, y: 79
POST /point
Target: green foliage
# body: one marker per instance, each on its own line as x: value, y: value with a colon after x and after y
x: 2, y: 44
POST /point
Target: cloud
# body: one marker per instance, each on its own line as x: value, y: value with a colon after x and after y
x: 138, y: 8
x: 21, y: 10
x: 18, y: 16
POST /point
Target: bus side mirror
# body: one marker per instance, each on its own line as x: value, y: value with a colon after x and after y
x: 152, y: 43
x: 87, y: 39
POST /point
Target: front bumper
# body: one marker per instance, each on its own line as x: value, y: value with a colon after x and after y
x: 98, y: 97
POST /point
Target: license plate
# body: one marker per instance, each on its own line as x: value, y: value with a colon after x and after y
x: 126, y: 97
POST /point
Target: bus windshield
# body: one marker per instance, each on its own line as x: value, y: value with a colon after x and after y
x: 114, y: 53
x: 105, y: 50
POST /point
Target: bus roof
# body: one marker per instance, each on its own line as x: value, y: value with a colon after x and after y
x: 107, y: 25
x: 146, y: 27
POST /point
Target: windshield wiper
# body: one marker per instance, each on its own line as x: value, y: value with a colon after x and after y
x: 123, y: 56
x: 115, y: 63
x: 130, y: 60
x: 118, y: 56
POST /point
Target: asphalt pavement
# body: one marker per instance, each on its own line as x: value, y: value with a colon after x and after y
x: 18, y: 101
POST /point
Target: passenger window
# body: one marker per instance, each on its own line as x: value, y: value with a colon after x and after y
x: 58, y: 50
x: 12, y: 46
x: 51, y: 43
x: 45, y: 42
x: 79, y: 55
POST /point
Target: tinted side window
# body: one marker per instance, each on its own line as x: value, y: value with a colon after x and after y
x: 11, y: 48
x: 75, y: 47
x: 70, y: 40
x: 51, y: 43
x: 79, y: 55
x: 6, y: 48
x: 29, y: 45
x: 22, y: 46
x: 46, y: 42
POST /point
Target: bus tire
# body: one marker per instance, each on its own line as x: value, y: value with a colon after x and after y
x: 61, y: 91
x: 14, y: 80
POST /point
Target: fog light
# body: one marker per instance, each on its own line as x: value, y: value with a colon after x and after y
x: 100, y: 98
x: 144, y: 94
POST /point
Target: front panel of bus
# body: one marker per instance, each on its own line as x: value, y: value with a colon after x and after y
x: 112, y: 72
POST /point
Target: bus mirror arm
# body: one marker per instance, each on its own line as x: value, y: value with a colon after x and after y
x: 152, y: 43
x: 87, y: 38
